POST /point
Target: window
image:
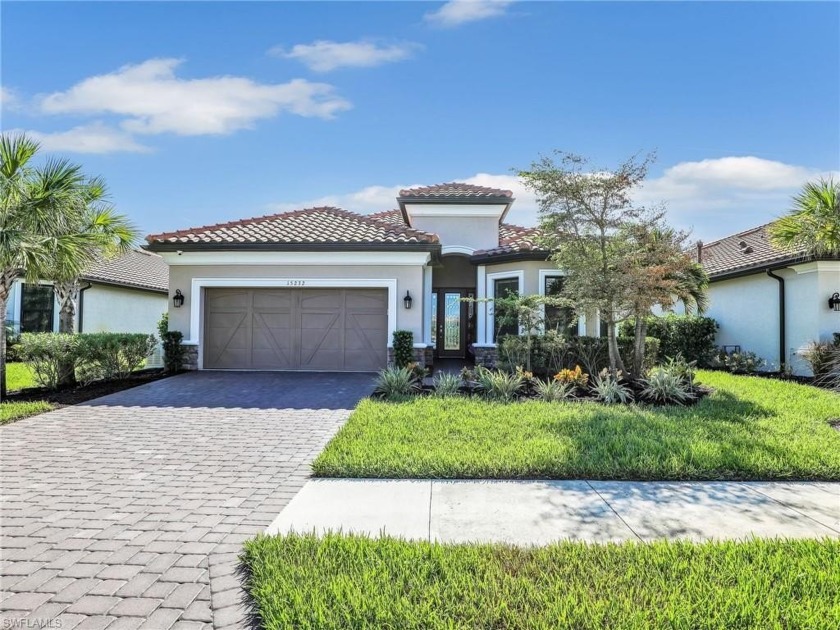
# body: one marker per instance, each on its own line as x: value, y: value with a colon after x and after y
x: 559, y: 318
x: 36, y: 308
x: 503, y: 323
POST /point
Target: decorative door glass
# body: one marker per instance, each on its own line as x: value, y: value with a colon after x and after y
x: 452, y: 321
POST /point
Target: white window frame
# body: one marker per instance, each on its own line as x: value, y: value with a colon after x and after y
x: 544, y: 274
x: 491, y: 295
x: 195, y: 300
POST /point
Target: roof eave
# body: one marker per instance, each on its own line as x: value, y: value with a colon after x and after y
x: 779, y: 263
x: 531, y: 254
x: 318, y: 247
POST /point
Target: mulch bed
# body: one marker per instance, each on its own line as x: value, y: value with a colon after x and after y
x: 83, y: 393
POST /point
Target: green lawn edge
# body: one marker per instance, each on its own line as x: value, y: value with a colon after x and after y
x: 301, y: 581
x: 12, y: 411
x: 749, y: 428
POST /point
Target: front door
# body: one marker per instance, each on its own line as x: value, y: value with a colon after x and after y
x: 452, y: 319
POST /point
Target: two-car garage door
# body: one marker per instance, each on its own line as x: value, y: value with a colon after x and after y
x: 296, y: 329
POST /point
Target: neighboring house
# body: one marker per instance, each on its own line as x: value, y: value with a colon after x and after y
x: 770, y: 301
x: 125, y: 294
x: 324, y: 289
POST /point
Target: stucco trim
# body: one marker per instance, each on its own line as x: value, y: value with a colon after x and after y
x: 324, y: 258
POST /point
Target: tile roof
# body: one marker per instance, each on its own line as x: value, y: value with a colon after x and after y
x: 137, y: 268
x: 455, y: 189
x: 742, y: 251
x: 310, y: 226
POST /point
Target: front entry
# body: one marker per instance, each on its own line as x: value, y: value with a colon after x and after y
x: 452, y: 322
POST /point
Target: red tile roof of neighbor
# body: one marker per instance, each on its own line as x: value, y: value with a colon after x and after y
x: 455, y: 189
x: 136, y: 269
x: 314, y: 225
x: 744, y: 250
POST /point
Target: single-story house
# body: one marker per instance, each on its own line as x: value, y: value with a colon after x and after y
x: 768, y: 300
x: 125, y: 294
x: 324, y: 288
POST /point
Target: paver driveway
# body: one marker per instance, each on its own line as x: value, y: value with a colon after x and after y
x: 129, y: 511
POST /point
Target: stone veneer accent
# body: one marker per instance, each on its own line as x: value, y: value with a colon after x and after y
x: 486, y: 356
x: 424, y: 357
x: 190, y: 357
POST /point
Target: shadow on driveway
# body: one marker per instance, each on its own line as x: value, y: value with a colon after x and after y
x: 248, y: 390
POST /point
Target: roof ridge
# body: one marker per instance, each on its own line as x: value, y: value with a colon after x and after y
x: 742, y: 233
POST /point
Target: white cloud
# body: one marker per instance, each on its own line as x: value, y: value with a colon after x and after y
x: 323, y: 56
x: 8, y: 97
x: 154, y: 100
x: 93, y: 138
x: 457, y: 12
x: 713, y: 198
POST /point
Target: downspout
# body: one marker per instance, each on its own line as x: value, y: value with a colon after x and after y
x: 782, y: 340
x: 82, y: 305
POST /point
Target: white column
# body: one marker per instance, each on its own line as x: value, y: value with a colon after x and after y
x: 427, y: 305
x: 481, y: 313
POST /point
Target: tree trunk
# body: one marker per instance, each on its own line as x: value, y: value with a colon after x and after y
x: 639, y: 346
x: 616, y: 364
x: 67, y: 294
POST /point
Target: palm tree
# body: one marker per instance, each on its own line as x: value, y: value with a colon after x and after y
x: 107, y: 235
x: 813, y: 224
x: 40, y: 207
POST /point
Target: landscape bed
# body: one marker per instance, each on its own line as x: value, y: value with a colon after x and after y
x: 749, y: 428
x: 300, y: 581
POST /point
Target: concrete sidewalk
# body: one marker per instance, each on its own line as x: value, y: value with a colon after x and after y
x: 538, y: 512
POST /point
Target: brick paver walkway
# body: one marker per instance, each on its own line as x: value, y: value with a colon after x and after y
x: 129, y: 511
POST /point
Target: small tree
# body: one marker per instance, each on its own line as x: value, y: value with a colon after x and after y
x: 106, y: 235
x: 38, y: 207
x: 585, y: 216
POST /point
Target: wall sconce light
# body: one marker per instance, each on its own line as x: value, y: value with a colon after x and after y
x: 178, y: 300
x: 834, y: 302
x: 407, y: 300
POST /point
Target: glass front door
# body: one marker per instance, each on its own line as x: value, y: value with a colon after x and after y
x: 450, y: 319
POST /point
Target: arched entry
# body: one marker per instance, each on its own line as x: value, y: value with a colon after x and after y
x: 453, y: 316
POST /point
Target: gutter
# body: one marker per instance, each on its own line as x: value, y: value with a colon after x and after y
x: 782, y: 339
x: 82, y: 305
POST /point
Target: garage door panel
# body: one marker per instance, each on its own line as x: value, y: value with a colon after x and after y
x: 289, y: 329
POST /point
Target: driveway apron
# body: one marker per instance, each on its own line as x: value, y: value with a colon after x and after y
x: 129, y: 511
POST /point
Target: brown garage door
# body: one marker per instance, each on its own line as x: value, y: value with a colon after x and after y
x: 296, y: 329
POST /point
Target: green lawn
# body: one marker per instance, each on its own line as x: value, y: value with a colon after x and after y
x: 749, y: 428
x: 355, y: 582
x: 18, y: 376
x: 11, y: 411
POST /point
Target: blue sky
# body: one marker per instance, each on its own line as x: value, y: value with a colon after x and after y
x: 202, y: 112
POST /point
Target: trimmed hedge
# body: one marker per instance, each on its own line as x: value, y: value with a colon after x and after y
x: 403, y: 348
x: 691, y: 336
x: 55, y: 358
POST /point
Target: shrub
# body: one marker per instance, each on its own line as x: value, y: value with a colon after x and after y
x: 822, y: 357
x: 403, y: 348
x: 627, y: 349
x: 743, y: 362
x: 446, y: 385
x: 173, y: 350
x: 609, y: 389
x: 665, y: 387
x: 163, y: 325
x: 692, y: 336
x: 499, y: 385
x: 590, y: 352
x: 52, y: 356
x: 553, y: 391
x: 576, y: 378
x: 12, y: 343
x: 397, y: 383
x: 682, y: 369
x: 112, y: 355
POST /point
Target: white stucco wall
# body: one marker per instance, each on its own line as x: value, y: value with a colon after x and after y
x: 747, y: 311
x: 118, y: 309
x: 106, y: 309
x: 475, y: 226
